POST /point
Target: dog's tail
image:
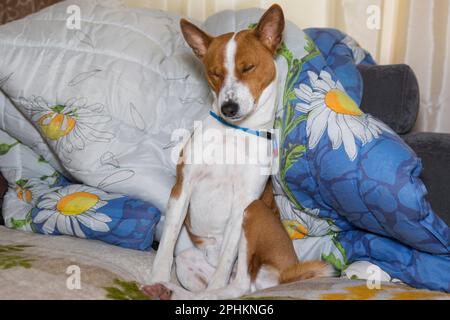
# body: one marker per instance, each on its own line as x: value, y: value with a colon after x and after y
x: 306, y: 270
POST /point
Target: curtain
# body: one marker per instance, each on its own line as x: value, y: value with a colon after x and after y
x: 415, y: 32
x: 427, y: 51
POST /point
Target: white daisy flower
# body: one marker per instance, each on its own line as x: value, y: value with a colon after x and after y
x: 302, y: 223
x: 29, y: 190
x: 359, y: 54
x: 71, y: 125
x: 330, y: 108
x: 66, y: 208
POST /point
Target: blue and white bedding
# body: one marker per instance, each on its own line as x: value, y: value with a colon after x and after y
x: 348, y: 178
x: 98, y: 106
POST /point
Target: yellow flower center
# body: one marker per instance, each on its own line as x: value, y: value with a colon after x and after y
x: 76, y: 203
x: 340, y: 102
x: 24, y: 194
x: 54, y: 129
x: 359, y: 292
x: 295, y: 229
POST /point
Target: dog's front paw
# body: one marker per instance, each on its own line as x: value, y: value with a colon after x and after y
x: 157, y: 291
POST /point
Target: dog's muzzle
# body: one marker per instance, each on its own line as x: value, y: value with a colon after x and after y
x: 230, y: 109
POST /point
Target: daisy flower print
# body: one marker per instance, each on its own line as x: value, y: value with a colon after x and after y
x: 29, y: 190
x: 332, y: 112
x: 66, y: 209
x: 70, y: 125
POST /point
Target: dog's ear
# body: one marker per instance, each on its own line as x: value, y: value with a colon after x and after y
x: 270, y: 28
x: 197, y: 39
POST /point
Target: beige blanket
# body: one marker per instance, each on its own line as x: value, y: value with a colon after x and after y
x: 35, y: 266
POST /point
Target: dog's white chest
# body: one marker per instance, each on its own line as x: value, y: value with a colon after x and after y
x: 233, y: 175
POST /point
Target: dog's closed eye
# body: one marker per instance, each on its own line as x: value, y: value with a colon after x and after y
x: 247, y: 68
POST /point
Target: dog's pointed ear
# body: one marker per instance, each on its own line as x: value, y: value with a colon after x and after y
x: 197, y: 39
x: 270, y: 28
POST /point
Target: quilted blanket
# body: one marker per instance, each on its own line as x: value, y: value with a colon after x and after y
x: 97, y: 105
x: 348, y: 185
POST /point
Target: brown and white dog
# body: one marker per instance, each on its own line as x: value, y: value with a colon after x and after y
x: 229, y: 209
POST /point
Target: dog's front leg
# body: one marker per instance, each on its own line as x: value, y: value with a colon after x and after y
x: 240, y: 285
x: 175, y: 215
x: 229, y: 252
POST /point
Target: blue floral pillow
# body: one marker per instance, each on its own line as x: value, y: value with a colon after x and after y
x: 348, y: 169
x: 363, y: 174
x: 86, y: 212
x: 352, y: 167
x: 40, y: 199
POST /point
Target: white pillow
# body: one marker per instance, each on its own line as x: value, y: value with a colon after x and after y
x: 106, y: 98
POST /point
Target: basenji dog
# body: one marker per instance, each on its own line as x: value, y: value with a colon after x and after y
x: 229, y: 210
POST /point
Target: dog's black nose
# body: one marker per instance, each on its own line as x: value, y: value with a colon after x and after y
x: 230, y: 109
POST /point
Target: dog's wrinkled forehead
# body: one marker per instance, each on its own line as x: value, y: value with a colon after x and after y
x: 239, y: 58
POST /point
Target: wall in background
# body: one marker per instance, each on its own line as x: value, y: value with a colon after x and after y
x: 416, y: 32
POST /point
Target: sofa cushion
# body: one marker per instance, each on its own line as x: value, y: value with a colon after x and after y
x: 434, y: 150
x: 391, y: 93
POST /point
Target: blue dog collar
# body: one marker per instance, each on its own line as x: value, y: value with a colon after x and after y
x: 262, y: 134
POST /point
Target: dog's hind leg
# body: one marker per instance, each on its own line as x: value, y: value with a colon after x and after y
x: 193, y: 271
x: 272, y: 258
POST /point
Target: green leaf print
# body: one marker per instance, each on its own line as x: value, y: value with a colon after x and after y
x: 4, y: 147
x: 291, y: 153
x: 293, y: 124
x: 22, y: 182
x: 278, y: 123
x: 335, y: 262
x: 55, y: 175
x: 252, y: 25
x: 125, y: 290
x: 58, y: 108
x: 11, y: 257
x: 42, y: 160
x: 286, y: 53
x: 311, y: 48
x: 341, y: 249
x: 294, y: 153
x: 20, y: 223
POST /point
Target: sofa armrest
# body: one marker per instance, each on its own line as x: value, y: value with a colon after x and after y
x: 391, y: 94
x: 434, y: 149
